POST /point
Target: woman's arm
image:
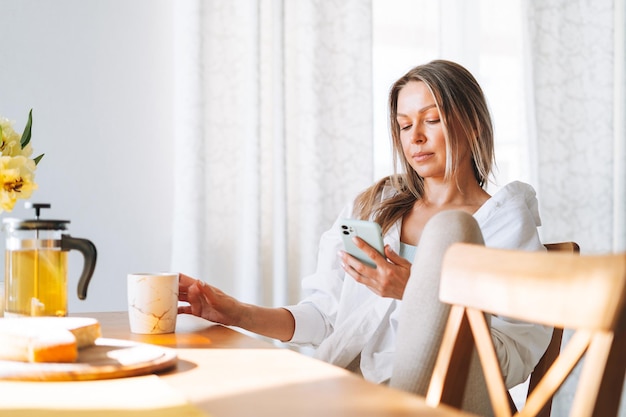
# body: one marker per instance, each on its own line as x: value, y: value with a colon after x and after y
x: 214, y: 305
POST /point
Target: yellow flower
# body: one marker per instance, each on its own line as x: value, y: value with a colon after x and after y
x: 17, y: 175
x: 17, y: 169
x: 10, y: 144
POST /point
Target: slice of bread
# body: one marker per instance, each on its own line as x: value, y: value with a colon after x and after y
x: 46, y: 339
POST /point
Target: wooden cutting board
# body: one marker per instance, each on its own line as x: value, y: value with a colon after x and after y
x: 109, y: 358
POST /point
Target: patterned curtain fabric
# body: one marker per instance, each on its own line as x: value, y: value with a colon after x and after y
x: 577, y: 61
x: 572, y: 59
x: 274, y: 127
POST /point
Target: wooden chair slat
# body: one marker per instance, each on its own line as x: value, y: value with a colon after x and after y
x: 486, y: 352
x: 584, y: 293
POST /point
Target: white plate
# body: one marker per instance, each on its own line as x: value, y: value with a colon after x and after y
x: 108, y: 358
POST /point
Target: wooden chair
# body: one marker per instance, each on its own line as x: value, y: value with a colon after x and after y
x: 554, y: 348
x: 584, y: 293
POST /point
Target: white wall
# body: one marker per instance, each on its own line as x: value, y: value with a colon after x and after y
x: 99, y: 77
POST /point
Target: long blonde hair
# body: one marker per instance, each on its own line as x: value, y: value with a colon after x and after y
x: 464, y: 115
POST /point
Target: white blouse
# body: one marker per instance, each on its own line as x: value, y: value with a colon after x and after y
x: 343, y: 318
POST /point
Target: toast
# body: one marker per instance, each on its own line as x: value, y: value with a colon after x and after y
x: 46, y: 339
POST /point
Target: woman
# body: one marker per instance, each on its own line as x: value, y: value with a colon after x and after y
x: 443, y: 140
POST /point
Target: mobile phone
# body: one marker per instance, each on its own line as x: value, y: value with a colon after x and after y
x: 369, y: 231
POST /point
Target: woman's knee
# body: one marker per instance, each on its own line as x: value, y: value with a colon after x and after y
x: 454, y: 226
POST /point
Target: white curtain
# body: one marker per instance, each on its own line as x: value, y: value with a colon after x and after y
x: 273, y: 117
x: 579, y: 121
x: 577, y: 62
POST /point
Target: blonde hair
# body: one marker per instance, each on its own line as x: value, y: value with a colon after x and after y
x: 464, y: 115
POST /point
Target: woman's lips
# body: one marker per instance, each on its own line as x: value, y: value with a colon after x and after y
x: 422, y: 156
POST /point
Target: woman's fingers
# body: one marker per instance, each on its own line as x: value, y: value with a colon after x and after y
x: 196, y: 299
x: 395, y: 258
x: 388, y: 279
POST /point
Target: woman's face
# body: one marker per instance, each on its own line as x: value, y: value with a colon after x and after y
x: 421, y: 130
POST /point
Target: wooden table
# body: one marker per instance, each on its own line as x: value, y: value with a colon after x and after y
x: 226, y: 373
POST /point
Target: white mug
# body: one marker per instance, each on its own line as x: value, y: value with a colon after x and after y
x: 152, y: 302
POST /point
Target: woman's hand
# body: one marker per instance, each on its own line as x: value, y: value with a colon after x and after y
x: 206, y: 301
x: 390, y: 276
x: 212, y: 304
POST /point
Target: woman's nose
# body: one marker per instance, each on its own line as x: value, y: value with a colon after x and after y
x: 418, y: 136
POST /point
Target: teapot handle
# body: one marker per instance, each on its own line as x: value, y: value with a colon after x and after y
x: 90, y: 254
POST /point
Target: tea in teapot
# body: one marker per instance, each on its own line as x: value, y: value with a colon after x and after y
x: 36, y: 265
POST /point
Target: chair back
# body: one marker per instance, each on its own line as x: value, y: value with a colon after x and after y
x: 554, y: 348
x: 585, y: 293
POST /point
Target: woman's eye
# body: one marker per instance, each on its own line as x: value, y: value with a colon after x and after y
x: 432, y: 121
x: 407, y: 127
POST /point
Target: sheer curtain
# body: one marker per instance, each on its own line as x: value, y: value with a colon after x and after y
x: 273, y: 116
x: 577, y: 66
x: 579, y: 137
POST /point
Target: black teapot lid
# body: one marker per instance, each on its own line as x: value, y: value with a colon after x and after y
x: 36, y: 223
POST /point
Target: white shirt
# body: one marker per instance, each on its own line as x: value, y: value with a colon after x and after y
x: 343, y: 318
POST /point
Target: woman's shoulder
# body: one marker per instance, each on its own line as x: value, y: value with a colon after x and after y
x: 379, y: 191
x: 510, y: 218
x: 514, y: 196
x: 514, y: 191
x: 383, y: 187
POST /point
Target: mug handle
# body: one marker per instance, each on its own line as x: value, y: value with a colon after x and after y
x: 90, y: 254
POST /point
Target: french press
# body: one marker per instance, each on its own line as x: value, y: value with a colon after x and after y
x: 36, y: 265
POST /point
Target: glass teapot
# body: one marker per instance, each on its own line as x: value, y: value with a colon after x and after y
x: 36, y: 265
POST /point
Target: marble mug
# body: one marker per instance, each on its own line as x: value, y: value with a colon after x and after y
x: 152, y: 302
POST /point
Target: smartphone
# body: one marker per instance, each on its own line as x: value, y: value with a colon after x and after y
x: 369, y: 231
